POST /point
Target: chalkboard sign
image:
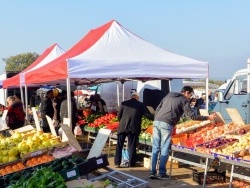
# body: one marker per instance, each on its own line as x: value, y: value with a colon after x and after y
x: 71, y: 138
x: 4, y: 115
x: 235, y: 116
x: 38, y: 128
x: 51, y: 126
x: 99, y: 143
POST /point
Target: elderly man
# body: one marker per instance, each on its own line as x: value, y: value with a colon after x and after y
x: 130, y: 115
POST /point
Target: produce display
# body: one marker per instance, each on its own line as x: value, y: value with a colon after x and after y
x: 106, y: 121
x: 190, y: 125
x: 44, y: 177
x: 215, y: 131
x: 242, y: 144
x: 145, y: 123
x: 146, y: 129
x: 212, y: 145
x: 14, y: 147
x: 11, y: 168
x: 34, y: 161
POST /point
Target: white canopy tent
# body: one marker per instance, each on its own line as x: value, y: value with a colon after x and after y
x: 110, y: 53
x: 119, y: 54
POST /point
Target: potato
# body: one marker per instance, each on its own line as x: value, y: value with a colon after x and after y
x: 247, y: 157
x: 243, y: 153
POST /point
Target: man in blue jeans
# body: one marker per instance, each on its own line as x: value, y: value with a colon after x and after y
x: 167, y: 114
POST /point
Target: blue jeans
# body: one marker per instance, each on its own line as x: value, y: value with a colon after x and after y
x: 162, y: 135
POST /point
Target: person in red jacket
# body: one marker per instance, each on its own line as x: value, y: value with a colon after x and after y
x: 16, y: 114
x: 130, y: 116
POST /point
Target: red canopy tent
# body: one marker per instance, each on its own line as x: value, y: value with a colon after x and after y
x: 48, y: 55
x: 57, y: 69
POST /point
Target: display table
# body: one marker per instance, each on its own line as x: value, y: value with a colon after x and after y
x: 205, y: 166
x: 145, y: 144
x: 191, y: 152
x: 234, y: 174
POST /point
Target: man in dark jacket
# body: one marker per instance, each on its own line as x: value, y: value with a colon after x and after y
x: 47, y: 109
x: 167, y: 115
x: 130, y: 115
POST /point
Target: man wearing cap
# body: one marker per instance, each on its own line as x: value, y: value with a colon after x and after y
x: 129, y: 116
x: 167, y: 115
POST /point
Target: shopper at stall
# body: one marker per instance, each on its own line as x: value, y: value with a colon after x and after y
x: 100, y: 104
x: 168, y: 113
x: 47, y: 109
x: 16, y: 114
x: 56, y: 102
x: 17, y: 97
x: 33, y: 100
x: 64, y: 110
x: 129, y: 116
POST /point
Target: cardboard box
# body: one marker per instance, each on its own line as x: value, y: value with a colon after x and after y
x: 147, y: 163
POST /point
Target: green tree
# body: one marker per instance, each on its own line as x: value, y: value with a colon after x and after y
x: 19, y: 62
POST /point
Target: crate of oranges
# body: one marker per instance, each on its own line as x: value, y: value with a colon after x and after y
x: 12, y: 167
x: 41, y: 159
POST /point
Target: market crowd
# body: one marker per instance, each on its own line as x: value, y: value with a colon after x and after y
x: 167, y: 114
x: 52, y: 104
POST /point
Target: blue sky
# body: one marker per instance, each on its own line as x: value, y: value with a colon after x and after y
x: 217, y: 31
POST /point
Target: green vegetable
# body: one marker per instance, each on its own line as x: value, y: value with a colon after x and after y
x: 57, y: 168
x: 78, y: 160
x: 41, y: 178
x: 65, y: 163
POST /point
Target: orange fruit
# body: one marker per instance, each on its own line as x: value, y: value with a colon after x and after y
x: 21, y: 165
x: 9, y: 171
x: 3, y: 171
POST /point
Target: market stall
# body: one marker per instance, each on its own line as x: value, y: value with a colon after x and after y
x: 113, y: 53
x: 29, y: 154
x: 215, y: 143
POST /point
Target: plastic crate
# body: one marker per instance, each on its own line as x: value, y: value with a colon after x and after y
x: 212, y: 177
x: 192, y: 142
x: 178, y: 138
x: 93, y: 164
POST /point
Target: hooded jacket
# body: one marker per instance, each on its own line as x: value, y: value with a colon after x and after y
x: 173, y: 106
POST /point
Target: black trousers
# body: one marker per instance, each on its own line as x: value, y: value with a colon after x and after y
x: 132, y: 141
x: 45, y: 125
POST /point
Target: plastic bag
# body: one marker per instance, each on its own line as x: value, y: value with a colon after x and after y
x: 125, y: 157
x: 78, y: 130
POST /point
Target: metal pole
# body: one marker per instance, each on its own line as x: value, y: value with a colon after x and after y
x: 26, y: 101
x: 248, y: 91
x: 118, y: 96
x: 69, y: 101
x: 207, y: 93
x: 22, y: 98
x: 231, y: 176
x: 123, y: 92
x: 205, y: 174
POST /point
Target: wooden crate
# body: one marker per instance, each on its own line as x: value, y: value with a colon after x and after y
x: 147, y: 163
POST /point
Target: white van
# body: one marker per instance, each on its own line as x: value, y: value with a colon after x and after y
x: 235, y: 96
x: 157, y: 89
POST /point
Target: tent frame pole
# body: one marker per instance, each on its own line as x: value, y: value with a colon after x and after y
x: 69, y: 101
x: 26, y: 101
